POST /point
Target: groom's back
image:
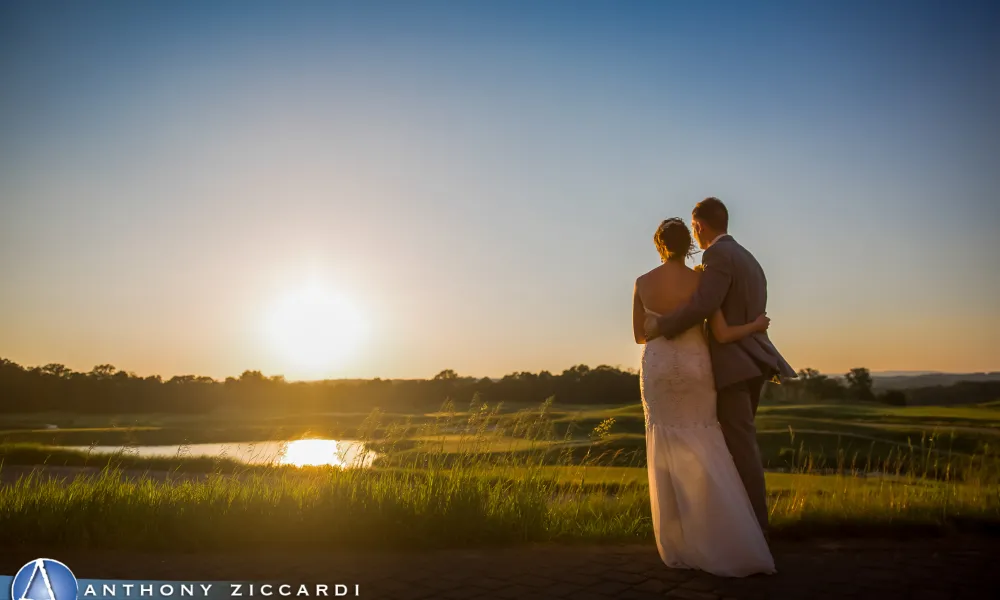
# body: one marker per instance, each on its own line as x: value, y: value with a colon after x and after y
x: 747, y: 297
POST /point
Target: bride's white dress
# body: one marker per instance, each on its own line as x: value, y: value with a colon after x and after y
x: 702, y: 516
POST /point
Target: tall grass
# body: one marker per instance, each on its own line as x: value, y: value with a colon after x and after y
x: 477, y: 477
x: 926, y: 458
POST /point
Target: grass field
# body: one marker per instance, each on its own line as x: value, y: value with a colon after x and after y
x: 488, y: 475
x: 938, y: 441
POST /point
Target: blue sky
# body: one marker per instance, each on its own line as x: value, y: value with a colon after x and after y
x: 482, y: 180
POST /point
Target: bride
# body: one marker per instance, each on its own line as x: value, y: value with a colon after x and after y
x: 702, y: 517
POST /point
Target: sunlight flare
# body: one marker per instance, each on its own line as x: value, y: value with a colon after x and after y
x: 316, y: 330
x: 311, y: 453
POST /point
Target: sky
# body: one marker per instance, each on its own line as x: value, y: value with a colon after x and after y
x: 390, y: 189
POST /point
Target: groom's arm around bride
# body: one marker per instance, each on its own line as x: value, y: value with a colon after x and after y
x: 708, y: 297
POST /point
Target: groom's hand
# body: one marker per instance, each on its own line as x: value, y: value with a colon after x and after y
x: 651, y: 328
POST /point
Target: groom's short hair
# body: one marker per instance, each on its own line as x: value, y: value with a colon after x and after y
x: 712, y: 212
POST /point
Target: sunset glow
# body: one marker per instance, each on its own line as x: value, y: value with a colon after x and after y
x: 474, y: 186
x: 314, y: 330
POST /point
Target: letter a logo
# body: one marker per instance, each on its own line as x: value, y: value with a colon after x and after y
x: 44, y: 579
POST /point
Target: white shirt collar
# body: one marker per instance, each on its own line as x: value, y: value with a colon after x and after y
x: 717, y: 238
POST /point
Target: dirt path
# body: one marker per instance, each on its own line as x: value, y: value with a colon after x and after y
x: 954, y: 567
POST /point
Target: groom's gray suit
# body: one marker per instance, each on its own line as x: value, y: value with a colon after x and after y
x: 734, y: 281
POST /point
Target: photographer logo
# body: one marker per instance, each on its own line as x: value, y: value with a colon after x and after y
x: 44, y: 579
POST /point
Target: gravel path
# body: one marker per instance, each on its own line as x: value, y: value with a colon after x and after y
x: 953, y: 567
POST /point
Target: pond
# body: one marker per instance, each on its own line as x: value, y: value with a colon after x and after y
x: 299, y: 453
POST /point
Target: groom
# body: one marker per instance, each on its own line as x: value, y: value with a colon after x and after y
x: 734, y: 281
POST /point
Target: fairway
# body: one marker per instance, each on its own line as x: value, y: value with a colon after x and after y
x: 829, y: 435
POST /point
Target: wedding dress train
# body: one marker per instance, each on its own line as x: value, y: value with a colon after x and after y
x: 702, y: 517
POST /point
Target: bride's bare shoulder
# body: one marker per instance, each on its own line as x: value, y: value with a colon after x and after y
x: 665, y: 273
x: 654, y: 273
x: 670, y: 269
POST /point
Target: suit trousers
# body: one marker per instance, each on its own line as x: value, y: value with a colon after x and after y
x: 737, y: 407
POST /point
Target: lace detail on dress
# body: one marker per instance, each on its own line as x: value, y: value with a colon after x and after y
x: 676, y: 381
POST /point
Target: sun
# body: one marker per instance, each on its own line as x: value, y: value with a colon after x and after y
x: 315, y: 330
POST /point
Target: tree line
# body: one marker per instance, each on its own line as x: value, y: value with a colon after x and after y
x: 106, y: 389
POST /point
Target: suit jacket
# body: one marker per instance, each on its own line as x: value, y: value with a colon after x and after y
x: 734, y: 281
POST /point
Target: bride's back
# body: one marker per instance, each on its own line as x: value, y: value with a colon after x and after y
x: 667, y: 287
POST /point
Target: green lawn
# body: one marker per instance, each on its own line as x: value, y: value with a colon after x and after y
x: 419, y: 508
x: 818, y: 437
x: 486, y: 475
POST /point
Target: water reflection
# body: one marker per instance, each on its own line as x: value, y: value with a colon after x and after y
x: 338, y: 453
x: 299, y: 453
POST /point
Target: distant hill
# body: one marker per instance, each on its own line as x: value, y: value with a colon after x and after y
x: 902, y: 380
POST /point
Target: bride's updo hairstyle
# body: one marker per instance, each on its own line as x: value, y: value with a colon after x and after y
x: 673, y: 240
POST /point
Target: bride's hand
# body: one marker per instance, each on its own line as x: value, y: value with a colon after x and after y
x: 762, y: 322
x: 650, y: 327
